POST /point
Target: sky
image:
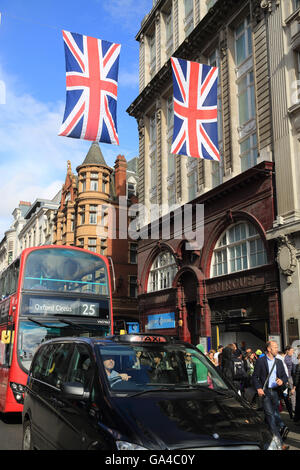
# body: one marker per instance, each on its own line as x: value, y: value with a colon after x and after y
x: 33, y: 158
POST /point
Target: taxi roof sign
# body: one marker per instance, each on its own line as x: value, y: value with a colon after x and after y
x: 142, y: 338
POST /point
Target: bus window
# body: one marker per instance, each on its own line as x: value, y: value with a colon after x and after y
x: 65, y: 270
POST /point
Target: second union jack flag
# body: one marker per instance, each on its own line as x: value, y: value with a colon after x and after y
x: 92, y: 67
x: 195, y: 110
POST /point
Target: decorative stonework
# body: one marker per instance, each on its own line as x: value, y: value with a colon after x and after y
x: 286, y: 257
x: 269, y: 4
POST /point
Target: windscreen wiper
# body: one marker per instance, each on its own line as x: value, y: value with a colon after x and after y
x: 44, y: 325
x: 167, y: 387
x: 181, y: 388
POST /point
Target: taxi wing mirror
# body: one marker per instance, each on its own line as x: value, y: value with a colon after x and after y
x: 74, y: 391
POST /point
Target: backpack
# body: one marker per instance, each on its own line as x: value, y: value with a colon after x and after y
x: 238, y: 369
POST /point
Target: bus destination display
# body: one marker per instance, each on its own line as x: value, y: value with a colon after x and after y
x: 63, y: 307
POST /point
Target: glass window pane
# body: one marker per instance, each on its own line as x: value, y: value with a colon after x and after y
x: 243, y: 231
x: 243, y: 108
x: 240, y: 50
x: 249, y: 41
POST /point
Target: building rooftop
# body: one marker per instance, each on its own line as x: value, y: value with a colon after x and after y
x: 95, y: 156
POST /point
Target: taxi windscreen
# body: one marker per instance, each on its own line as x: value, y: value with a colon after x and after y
x: 138, y: 368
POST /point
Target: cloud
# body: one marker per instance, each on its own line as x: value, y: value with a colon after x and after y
x: 126, y: 12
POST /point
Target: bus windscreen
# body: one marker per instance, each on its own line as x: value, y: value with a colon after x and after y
x: 65, y: 270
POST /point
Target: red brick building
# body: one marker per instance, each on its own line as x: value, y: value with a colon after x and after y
x: 82, y: 220
x: 227, y: 291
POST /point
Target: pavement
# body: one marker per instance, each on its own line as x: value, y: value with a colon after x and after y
x: 293, y: 439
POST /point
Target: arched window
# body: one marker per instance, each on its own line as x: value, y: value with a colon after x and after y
x: 162, y: 272
x: 239, y: 248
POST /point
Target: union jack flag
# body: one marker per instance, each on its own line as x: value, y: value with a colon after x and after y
x: 195, y: 89
x: 92, y: 83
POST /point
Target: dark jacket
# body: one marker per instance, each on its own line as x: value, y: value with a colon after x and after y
x: 296, y: 377
x: 227, y: 363
x: 261, y: 371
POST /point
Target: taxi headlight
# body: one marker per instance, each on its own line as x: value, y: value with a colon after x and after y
x: 275, y: 444
x: 123, y: 445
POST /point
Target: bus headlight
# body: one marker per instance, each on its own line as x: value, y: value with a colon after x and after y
x: 18, y: 391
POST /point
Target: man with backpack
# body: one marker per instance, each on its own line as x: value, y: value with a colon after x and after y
x: 239, y: 372
x: 232, y: 367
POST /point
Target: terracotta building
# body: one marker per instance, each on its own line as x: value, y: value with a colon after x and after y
x: 83, y: 220
x: 229, y: 290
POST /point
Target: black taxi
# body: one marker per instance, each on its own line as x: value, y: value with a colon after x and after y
x: 134, y: 392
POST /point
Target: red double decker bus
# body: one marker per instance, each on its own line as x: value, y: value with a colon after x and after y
x: 48, y: 292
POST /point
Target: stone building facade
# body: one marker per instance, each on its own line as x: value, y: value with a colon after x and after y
x: 254, y: 44
x: 83, y: 219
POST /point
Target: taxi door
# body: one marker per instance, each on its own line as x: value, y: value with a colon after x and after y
x: 77, y: 428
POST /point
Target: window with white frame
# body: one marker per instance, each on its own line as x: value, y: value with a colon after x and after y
x: 188, y: 15
x: 162, y: 272
x: 246, y: 95
x: 238, y: 249
x: 246, y: 98
x: 243, y: 41
x: 169, y: 30
x: 92, y: 244
x: 131, y: 187
x: 248, y: 152
x: 93, y: 214
x: 94, y: 182
x: 296, y: 4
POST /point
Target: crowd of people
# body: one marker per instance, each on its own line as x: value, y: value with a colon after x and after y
x: 272, y: 377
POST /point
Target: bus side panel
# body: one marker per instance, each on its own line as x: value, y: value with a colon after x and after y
x: 4, y: 376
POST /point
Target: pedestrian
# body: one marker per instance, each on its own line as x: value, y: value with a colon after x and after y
x: 243, y: 348
x: 227, y: 362
x: 239, y: 372
x: 217, y: 354
x: 268, y: 376
x: 211, y: 356
x: 288, y: 359
x: 249, y: 362
x: 296, y: 389
x: 190, y: 368
x: 232, y: 367
x: 201, y: 369
x: 285, y: 394
x: 259, y: 353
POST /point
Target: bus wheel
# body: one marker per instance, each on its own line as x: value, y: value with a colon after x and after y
x: 27, y: 437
